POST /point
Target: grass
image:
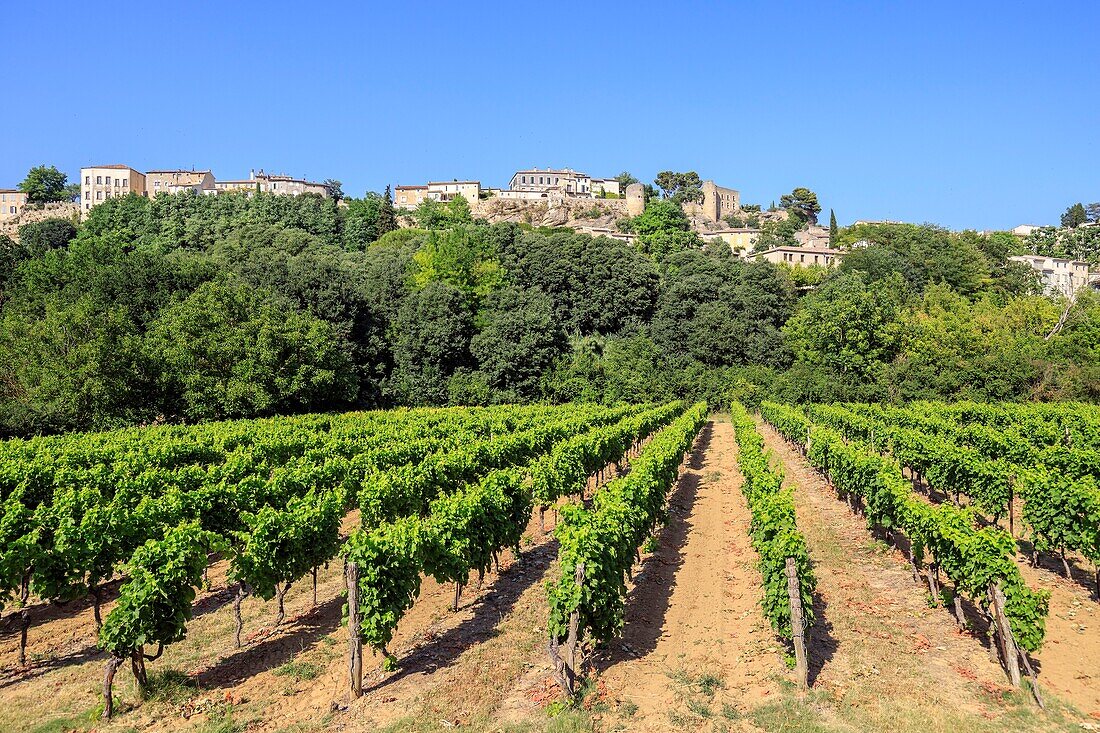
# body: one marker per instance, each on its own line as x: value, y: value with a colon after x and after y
x: 169, y: 686
x: 301, y: 671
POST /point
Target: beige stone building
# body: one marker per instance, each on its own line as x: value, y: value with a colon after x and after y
x: 801, y: 256
x: 738, y: 238
x: 718, y: 203
x: 445, y: 191
x: 409, y: 197
x: 1058, y: 276
x: 261, y: 182
x: 12, y: 203
x: 99, y: 183
x: 174, y: 181
x: 813, y: 236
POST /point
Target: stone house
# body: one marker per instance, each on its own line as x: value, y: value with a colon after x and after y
x: 12, y: 203
x: 99, y: 183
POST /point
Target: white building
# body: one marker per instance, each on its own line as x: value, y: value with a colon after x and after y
x: 565, y: 181
x: 1058, y: 276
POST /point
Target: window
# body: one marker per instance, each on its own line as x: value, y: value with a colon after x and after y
x: 87, y: 180
x: 98, y: 195
x: 98, y: 180
x: 156, y: 184
x: 540, y: 179
x: 87, y: 206
x: 87, y: 195
x: 125, y: 182
x: 802, y: 258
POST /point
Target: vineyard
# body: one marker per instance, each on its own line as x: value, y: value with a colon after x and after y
x: 152, y: 530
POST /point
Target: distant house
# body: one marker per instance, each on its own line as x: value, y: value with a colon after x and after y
x: 445, y: 191
x: 409, y: 197
x: 605, y: 187
x: 102, y: 182
x: 738, y: 238
x: 801, y: 256
x: 280, y: 185
x: 174, y: 181
x: 12, y: 203
x: 1024, y: 230
x: 564, y: 181
x: 1058, y: 276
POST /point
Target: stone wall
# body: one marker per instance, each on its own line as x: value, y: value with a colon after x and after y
x: 39, y: 212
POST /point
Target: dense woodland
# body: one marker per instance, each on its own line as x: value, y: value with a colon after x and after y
x: 188, y: 308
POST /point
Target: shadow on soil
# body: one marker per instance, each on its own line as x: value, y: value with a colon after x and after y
x: 821, y: 644
x: 655, y: 580
x: 489, y: 608
x: 295, y: 636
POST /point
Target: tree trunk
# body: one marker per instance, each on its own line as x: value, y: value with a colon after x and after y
x: 960, y: 617
x: 933, y: 588
x: 137, y: 666
x: 95, y: 608
x: 565, y: 665
x: 1065, y: 563
x: 542, y: 520
x: 314, y: 571
x: 108, y: 683
x: 280, y: 592
x: 355, y: 643
x: 241, y: 593
x: 798, y: 631
x: 458, y: 594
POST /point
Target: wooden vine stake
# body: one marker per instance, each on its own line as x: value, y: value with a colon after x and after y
x: 1004, y: 633
x: 798, y: 630
x: 355, y: 644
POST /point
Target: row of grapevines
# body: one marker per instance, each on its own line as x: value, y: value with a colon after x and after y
x: 972, y: 558
x: 1057, y: 483
x: 603, y: 539
x: 773, y: 529
x: 464, y: 529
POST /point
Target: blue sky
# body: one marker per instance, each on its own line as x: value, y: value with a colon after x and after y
x: 980, y: 115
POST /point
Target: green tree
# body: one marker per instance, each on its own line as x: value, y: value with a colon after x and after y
x: 801, y: 203
x: 625, y: 179
x: 44, y: 185
x: 849, y: 326
x: 1092, y: 211
x: 833, y: 231
x: 231, y: 350
x: 1074, y: 216
x: 41, y: 236
x: 431, y: 342
x: 519, y: 340
x: 335, y: 188
x: 77, y: 366
x: 680, y: 187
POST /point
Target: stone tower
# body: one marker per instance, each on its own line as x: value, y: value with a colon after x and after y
x: 635, y: 199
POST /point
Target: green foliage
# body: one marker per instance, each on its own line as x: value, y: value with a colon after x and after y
x: 773, y: 529
x: 154, y: 604
x: 229, y: 350
x: 1074, y: 216
x: 973, y: 558
x: 44, y: 185
x: 802, y: 204
x: 680, y: 188
x: 604, y: 538
x: 41, y: 236
x: 849, y: 325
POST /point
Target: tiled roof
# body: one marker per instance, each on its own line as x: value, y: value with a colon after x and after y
x: 118, y: 166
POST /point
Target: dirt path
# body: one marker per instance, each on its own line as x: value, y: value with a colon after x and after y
x: 897, y: 663
x: 695, y: 642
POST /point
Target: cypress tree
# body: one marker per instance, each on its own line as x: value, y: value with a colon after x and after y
x: 387, y: 219
x: 832, y: 228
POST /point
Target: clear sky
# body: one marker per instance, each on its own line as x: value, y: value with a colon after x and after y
x: 971, y: 114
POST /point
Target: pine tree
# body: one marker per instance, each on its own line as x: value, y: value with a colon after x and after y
x: 832, y: 228
x: 1075, y: 216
